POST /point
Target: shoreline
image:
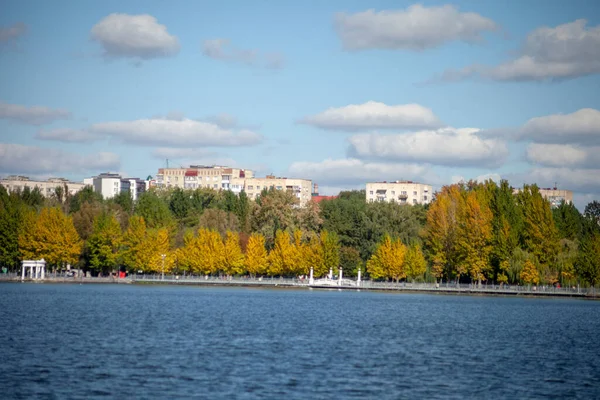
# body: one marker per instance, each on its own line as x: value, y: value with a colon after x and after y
x: 296, y: 284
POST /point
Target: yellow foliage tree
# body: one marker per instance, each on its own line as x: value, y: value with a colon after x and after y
x: 415, y: 263
x: 211, y: 245
x: 475, y: 235
x: 51, y: 237
x: 530, y: 274
x: 188, y: 256
x: 281, y: 256
x: 135, y: 253
x: 441, y: 233
x: 160, y: 257
x: 232, y: 262
x: 257, y: 260
x: 298, y: 264
x: 388, y: 260
x: 314, y: 257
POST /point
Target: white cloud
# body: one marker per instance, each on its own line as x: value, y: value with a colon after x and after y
x: 416, y: 28
x: 563, y: 52
x: 221, y: 49
x: 224, y: 120
x: 481, y: 178
x: 13, y: 32
x: 351, y: 171
x: 446, y: 146
x: 582, y: 127
x: 559, y: 155
x: 21, y: 159
x: 178, y: 153
x: 135, y: 36
x: 35, y: 115
x: 176, y: 133
x: 67, y: 135
x: 374, y: 115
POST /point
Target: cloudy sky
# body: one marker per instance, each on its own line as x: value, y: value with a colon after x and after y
x: 341, y: 92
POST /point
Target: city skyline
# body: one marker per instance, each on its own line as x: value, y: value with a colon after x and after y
x: 341, y: 93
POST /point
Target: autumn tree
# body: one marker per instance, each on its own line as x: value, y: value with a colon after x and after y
x: 233, y: 258
x: 331, y: 250
x: 441, y: 233
x: 474, y: 233
x: 415, y: 263
x: 530, y: 274
x: 257, y: 260
x: 211, y: 245
x: 281, y: 257
x: 51, y: 236
x: 134, y: 247
x: 388, y: 260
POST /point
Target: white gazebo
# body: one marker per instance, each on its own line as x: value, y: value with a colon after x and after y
x: 37, y: 269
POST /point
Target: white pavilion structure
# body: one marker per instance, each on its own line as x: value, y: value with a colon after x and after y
x: 37, y: 269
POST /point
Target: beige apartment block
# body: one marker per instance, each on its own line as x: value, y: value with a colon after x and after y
x: 200, y: 176
x: 401, y: 192
x: 47, y: 188
x: 554, y: 195
x: 300, y: 188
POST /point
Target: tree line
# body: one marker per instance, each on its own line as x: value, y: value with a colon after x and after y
x: 471, y: 232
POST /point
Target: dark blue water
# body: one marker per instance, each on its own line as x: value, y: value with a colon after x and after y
x: 119, y: 341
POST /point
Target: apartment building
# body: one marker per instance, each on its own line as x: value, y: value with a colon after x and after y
x: 402, y: 192
x: 201, y: 176
x: 47, y: 187
x: 109, y: 185
x: 300, y: 188
x: 554, y: 195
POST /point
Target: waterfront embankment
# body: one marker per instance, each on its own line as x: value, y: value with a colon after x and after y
x: 344, y: 284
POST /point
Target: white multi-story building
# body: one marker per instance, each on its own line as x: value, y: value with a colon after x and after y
x: 401, y: 192
x: 47, y: 187
x: 110, y: 185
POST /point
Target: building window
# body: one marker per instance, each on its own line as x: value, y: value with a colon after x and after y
x: 371, y: 192
x: 257, y: 187
x: 403, y: 192
x: 393, y: 192
x: 279, y: 187
x: 425, y: 198
x: 414, y: 201
x: 414, y: 193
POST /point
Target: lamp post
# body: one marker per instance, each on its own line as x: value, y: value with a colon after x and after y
x: 162, y: 277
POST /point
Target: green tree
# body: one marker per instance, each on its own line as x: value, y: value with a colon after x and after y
x: 350, y: 261
x: 540, y: 236
x: 154, y: 210
x: 588, y: 263
x: 11, y: 215
x: 219, y: 220
x: 273, y: 211
x: 180, y: 203
x: 104, y: 243
x: 569, y: 221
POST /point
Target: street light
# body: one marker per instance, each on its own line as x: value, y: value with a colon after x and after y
x: 163, y: 267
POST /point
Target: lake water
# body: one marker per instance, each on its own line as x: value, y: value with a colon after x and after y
x: 123, y: 341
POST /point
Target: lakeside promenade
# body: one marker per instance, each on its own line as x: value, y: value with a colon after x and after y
x: 331, y: 284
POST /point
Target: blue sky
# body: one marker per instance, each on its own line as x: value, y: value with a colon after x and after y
x: 328, y: 91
